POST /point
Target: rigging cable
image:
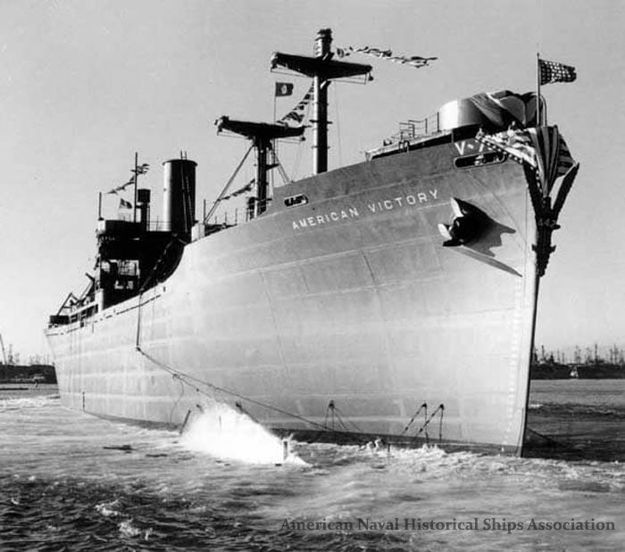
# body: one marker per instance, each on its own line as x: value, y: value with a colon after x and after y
x: 441, y: 407
x: 338, y: 127
x: 414, y: 416
x: 191, y: 380
x: 225, y: 188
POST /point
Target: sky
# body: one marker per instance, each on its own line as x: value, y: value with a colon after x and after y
x: 84, y: 84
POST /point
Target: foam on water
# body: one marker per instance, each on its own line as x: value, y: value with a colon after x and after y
x: 20, y: 403
x: 224, y: 433
x: 73, y: 481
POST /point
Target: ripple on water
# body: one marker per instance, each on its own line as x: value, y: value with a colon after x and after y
x: 67, y: 489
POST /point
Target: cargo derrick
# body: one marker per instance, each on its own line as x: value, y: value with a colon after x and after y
x: 262, y: 136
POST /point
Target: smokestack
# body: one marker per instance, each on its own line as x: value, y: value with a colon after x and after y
x: 143, y: 204
x: 179, y: 196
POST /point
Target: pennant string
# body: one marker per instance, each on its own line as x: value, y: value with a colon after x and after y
x: 141, y: 169
x: 297, y: 113
x: 244, y: 189
x: 414, y: 61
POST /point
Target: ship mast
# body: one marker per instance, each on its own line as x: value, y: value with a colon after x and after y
x: 322, y: 69
x: 261, y: 135
x: 320, y: 90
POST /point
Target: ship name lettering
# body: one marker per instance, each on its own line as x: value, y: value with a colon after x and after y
x: 387, y: 204
x: 317, y: 220
x: 410, y: 199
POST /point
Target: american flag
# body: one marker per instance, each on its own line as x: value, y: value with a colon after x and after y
x: 552, y: 71
x: 542, y: 148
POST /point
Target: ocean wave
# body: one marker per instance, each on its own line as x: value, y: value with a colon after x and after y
x: 20, y: 403
x: 579, y: 410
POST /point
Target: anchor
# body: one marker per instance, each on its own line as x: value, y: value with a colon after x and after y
x: 467, y: 224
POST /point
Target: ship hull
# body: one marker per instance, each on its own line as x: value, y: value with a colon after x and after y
x: 339, y: 317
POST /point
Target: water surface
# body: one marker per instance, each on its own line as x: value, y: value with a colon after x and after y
x: 69, y: 481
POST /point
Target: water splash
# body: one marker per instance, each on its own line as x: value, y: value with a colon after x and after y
x: 225, y: 433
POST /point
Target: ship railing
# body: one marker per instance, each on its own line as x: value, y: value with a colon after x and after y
x: 239, y: 215
x: 78, y: 312
x: 229, y: 218
x: 414, y: 128
x: 410, y: 131
x: 157, y: 226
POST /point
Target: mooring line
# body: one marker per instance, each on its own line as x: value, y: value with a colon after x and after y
x: 184, y: 377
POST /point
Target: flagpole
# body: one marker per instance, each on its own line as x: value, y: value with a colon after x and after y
x: 136, y: 171
x: 538, y: 100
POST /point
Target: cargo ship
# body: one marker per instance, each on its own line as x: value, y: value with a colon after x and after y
x: 394, y: 298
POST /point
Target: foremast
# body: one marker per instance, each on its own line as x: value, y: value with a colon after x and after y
x: 322, y: 68
x: 261, y: 135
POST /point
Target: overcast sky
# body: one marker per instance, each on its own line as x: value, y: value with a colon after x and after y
x: 86, y: 83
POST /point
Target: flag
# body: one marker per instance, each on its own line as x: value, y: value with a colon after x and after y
x: 240, y: 191
x: 142, y: 169
x: 246, y: 188
x: 516, y: 143
x: 294, y: 116
x: 123, y: 204
x: 552, y: 71
x: 297, y: 113
x: 284, y: 89
x: 541, y: 148
x: 415, y: 61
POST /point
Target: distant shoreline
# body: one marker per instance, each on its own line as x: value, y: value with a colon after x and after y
x: 32, y: 373
x: 577, y: 371
x: 44, y: 373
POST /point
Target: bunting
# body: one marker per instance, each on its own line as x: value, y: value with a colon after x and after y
x: 542, y: 148
x: 414, y: 61
x: 297, y: 113
x: 142, y: 169
x: 122, y: 187
x: 244, y: 189
x: 123, y: 204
